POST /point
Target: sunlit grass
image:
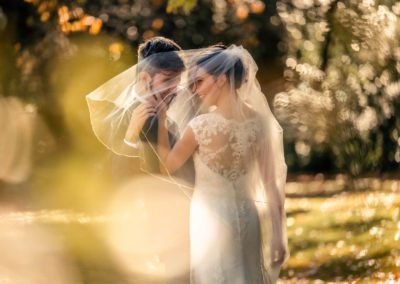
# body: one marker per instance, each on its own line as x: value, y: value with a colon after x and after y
x: 349, y: 236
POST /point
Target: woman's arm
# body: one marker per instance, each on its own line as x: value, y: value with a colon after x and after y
x: 275, y: 207
x: 172, y: 159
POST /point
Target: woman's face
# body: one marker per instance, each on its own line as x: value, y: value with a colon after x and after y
x: 205, y: 87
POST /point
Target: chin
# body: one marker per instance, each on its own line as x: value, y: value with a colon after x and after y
x: 206, y: 104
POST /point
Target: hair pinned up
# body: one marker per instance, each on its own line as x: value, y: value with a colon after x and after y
x: 218, y: 60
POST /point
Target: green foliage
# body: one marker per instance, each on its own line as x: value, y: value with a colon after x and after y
x: 186, y: 5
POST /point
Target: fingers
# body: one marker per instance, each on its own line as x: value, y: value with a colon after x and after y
x: 158, y: 103
x: 149, y: 110
x: 157, y: 97
x: 143, y: 111
x: 152, y: 100
x: 154, y: 104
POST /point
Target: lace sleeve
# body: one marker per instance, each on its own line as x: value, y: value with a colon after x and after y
x: 197, y: 125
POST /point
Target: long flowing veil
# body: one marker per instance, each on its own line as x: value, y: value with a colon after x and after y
x: 112, y: 104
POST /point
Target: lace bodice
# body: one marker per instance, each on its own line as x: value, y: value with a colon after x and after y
x: 226, y: 146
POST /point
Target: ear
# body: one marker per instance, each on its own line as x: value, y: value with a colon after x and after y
x: 144, y: 77
x: 221, y: 80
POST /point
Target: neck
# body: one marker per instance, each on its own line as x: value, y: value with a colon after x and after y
x: 227, y: 104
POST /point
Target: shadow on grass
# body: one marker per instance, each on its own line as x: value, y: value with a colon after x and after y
x: 295, y: 212
x: 317, y: 194
x: 339, y: 268
x: 359, y: 227
x: 355, y: 227
x: 298, y: 246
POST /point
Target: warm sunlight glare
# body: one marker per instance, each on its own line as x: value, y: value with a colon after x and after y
x: 149, y: 231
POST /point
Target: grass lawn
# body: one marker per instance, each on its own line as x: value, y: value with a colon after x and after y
x: 336, y: 235
x: 339, y: 236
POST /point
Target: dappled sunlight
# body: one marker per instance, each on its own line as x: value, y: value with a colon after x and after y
x: 348, y: 236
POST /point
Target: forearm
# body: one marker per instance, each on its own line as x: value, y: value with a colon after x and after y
x: 276, y: 208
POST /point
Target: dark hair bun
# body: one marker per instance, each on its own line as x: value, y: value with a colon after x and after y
x: 239, y: 72
x: 216, y: 59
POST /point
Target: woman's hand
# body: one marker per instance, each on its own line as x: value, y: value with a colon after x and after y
x: 278, y: 251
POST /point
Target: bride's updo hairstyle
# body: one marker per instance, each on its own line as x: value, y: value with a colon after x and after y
x: 218, y: 60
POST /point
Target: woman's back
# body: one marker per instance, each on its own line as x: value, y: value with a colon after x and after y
x: 228, y: 147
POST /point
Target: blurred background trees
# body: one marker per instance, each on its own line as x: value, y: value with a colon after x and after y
x: 343, y: 64
x: 334, y: 65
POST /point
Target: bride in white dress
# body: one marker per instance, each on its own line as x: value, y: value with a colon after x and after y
x: 237, y: 217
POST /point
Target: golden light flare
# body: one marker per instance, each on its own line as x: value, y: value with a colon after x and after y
x: 257, y: 7
x: 153, y: 237
x: 63, y: 14
x: 242, y: 12
x: 42, y: 7
x: 115, y: 49
x: 157, y: 24
x: 76, y: 20
x: 95, y: 27
x: 45, y: 16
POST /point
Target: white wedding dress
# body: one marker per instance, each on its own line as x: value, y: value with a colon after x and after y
x: 225, y: 232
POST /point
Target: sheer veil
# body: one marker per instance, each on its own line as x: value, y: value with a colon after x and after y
x: 111, y: 107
